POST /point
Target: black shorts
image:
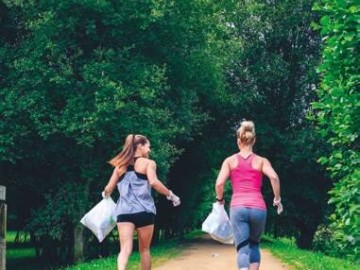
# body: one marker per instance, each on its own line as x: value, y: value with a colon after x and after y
x: 140, y: 219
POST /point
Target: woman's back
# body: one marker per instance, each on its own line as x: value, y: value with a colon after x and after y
x: 246, y: 181
x: 135, y: 190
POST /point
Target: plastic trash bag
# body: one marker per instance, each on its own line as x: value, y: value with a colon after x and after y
x: 218, y: 225
x: 100, y: 218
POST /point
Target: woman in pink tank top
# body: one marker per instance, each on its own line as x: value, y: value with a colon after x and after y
x: 247, y: 207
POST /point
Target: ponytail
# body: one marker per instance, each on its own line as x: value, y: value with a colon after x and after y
x: 126, y: 156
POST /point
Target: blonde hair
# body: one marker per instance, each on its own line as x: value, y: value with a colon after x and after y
x: 246, y: 132
x: 126, y: 156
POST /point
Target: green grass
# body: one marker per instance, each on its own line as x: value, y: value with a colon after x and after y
x: 286, y: 250
x: 22, y: 256
x: 160, y: 253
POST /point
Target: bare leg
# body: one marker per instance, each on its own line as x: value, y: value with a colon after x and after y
x: 254, y: 266
x: 145, y: 234
x: 126, y: 233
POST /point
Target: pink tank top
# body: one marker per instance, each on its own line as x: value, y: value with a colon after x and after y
x: 246, y: 184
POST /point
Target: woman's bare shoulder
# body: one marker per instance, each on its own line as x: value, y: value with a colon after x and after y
x: 145, y: 162
x: 260, y: 160
x: 233, y: 157
x: 231, y: 161
x: 258, y: 157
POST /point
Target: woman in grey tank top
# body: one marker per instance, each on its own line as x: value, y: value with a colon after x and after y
x: 134, y: 175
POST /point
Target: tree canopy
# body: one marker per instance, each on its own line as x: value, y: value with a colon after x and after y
x: 77, y: 76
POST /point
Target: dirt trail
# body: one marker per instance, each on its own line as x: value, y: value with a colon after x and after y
x: 207, y: 254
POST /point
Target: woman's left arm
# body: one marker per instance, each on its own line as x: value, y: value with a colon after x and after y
x: 221, y: 180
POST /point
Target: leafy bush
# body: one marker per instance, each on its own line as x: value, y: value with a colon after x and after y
x: 324, y: 241
x: 338, y: 116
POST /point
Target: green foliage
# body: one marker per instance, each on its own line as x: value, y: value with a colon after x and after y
x: 67, y: 202
x: 338, y: 115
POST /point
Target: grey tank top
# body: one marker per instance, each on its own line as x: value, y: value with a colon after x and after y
x: 135, y: 194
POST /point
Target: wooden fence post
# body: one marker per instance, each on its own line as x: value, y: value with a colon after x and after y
x: 78, y: 243
x: 2, y: 228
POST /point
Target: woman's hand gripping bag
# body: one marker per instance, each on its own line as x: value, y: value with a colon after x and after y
x: 100, y: 218
x: 218, y: 225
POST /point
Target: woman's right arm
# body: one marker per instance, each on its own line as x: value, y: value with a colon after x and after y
x: 268, y: 170
x: 109, y: 188
x: 221, y: 180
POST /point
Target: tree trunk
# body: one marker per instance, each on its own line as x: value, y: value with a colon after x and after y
x: 78, y: 243
x: 305, y: 239
x: 3, y: 210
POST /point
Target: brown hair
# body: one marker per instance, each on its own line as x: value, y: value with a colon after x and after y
x: 126, y: 156
x: 246, y: 132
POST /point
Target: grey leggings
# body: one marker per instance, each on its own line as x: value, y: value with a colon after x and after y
x: 248, y: 225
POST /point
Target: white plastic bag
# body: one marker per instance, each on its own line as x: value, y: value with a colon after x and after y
x: 218, y: 225
x: 100, y: 218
